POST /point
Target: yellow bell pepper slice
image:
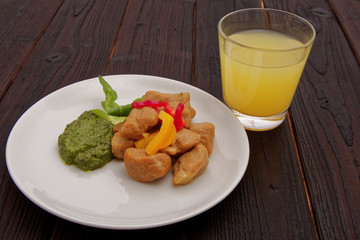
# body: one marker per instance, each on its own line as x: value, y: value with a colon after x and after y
x: 171, y: 138
x: 143, y: 142
x: 165, y: 136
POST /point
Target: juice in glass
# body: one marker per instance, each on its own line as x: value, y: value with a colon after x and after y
x: 256, y: 83
x: 262, y: 55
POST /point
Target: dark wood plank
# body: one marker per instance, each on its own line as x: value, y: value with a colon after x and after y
x: 348, y: 13
x: 155, y: 38
x: 76, y: 45
x: 22, y: 23
x: 325, y: 112
x: 28, y: 221
x: 273, y: 193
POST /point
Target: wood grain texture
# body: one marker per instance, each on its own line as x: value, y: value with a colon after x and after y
x: 348, y: 13
x: 20, y: 218
x: 325, y: 112
x: 155, y: 39
x: 273, y: 194
x: 21, y: 26
x: 61, y: 42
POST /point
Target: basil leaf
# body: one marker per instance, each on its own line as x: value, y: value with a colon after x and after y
x: 113, y: 119
x: 109, y: 105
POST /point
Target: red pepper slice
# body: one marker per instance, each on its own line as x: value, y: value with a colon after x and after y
x: 178, y: 120
x: 149, y: 103
x: 169, y: 110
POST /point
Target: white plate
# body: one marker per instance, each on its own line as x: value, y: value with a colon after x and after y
x: 108, y: 197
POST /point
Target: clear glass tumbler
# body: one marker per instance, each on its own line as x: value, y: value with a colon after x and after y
x: 262, y: 55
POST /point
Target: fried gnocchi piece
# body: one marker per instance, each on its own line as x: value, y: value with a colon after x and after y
x: 117, y: 127
x: 119, y: 144
x: 207, y: 133
x: 144, y: 168
x: 183, y: 97
x: 190, y: 165
x: 185, y: 140
x: 139, y: 121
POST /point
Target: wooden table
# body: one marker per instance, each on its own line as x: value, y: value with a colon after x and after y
x: 303, y: 178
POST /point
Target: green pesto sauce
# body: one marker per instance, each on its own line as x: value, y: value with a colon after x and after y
x: 86, y: 142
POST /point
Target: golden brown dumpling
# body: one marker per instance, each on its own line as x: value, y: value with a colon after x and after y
x: 190, y: 165
x: 185, y: 140
x: 145, y: 168
x: 139, y: 121
x: 207, y: 133
x: 119, y: 144
x: 183, y: 97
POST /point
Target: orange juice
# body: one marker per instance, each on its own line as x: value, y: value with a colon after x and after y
x: 260, y: 71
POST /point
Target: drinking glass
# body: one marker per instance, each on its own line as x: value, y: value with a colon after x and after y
x: 262, y: 55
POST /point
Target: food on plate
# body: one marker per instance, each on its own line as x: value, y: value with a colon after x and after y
x: 164, y: 137
x: 139, y: 121
x: 109, y: 104
x: 113, y: 112
x: 175, y: 135
x: 145, y: 168
x: 190, y: 165
x: 119, y: 144
x: 86, y: 142
x: 152, y: 134
x: 184, y: 141
x: 183, y: 97
x: 207, y: 132
x: 174, y: 99
x: 118, y: 126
